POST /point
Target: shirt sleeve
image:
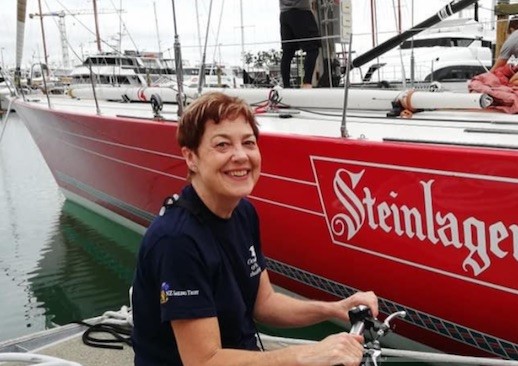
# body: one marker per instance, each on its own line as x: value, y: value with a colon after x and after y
x: 510, y: 47
x: 185, y: 283
x: 506, y: 51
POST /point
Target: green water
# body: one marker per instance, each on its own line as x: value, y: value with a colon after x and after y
x: 58, y: 261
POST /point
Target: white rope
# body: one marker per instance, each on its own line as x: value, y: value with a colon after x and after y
x: 35, y: 359
x: 414, y: 355
x: 123, y: 317
x: 286, y: 341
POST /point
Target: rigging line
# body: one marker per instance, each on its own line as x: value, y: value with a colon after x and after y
x: 198, y: 26
x: 398, y: 27
x: 321, y: 38
x: 217, y: 33
x: 125, y: 28
x: 201, y: 78
x: 257, y: 43
x: 214, y: 34
x: 336, y: 37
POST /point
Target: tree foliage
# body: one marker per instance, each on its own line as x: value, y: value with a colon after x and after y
x: 262, y: 58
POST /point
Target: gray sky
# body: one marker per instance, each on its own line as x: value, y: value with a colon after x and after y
x: 260, y: 26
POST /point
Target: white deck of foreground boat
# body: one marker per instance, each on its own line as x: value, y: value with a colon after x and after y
x: 66, y: 343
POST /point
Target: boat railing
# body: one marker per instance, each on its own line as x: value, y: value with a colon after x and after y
x: 8, y: 82
x: 362, y: 322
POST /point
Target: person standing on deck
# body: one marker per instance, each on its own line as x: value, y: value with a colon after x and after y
x: 201, y: 280
x: 298, y: 23
x: 509, y: 48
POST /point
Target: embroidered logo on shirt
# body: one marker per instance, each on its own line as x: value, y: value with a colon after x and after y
x: 255, y: 269
x: 163, y: 293
x: 166, y: 292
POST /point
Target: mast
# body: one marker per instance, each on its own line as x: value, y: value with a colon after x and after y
x: 374, y: 28
x: 242, y: 35
x: 97, y: 36
x: 399, y: 28
x: 20, y: 32
x: 178, y: 65
x: 450, y: 9
x: 201, y: 77
x: 43, y: 36
x: 198, y: 27
x: 120, y: 26
x: 157, y: 32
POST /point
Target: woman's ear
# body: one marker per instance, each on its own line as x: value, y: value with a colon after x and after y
x: 190, y: 158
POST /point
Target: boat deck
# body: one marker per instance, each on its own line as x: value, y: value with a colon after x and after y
x: 479, y: 128
x: 66, y: 343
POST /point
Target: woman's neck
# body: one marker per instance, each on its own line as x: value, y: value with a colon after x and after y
x: 219, y: 208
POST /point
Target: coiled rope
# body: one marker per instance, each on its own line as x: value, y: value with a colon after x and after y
x: 271, y: 104
x: 116, y: 327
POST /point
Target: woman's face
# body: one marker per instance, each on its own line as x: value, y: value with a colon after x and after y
x: 228, y: 162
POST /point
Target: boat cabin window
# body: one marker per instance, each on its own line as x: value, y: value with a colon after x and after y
x: 464, y: 72
x: 107, y: 79
x: 190, y: 71
x: 109, y: 61
x: 150, y: 63
x: 441, y: 42
x: 194, y: 71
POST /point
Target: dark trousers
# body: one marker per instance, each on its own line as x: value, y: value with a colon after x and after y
x: 299, y: 30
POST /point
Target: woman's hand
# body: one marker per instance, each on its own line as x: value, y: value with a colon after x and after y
x: 337, y: 349
x: 368, y: 299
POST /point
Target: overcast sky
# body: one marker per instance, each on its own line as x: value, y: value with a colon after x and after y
x: 139, y: 26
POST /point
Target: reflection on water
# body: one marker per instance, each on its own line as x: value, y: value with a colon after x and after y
x: 86, y: 267
x: 58, y: 261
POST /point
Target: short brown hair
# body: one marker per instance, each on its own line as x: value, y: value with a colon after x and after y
x: 513, y: 24
x: 213, y: 106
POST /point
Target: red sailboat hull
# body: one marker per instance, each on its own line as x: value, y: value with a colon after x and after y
x: 431, y: 229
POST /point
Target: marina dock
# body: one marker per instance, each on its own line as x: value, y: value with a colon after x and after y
x: 66, y: 343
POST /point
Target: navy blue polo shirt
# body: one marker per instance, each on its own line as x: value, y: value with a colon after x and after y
x: 194, y: 264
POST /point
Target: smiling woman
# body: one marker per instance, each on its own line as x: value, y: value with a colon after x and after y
x: 224, y: 162
x: 201, y: 273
